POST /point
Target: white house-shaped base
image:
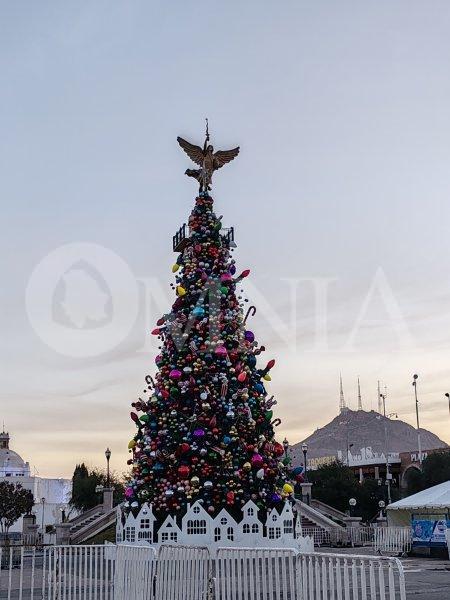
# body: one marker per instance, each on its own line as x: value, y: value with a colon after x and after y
x: 198, y: 528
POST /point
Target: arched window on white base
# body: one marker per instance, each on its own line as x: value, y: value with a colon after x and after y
x: 130, y: 534
x: 288, y: 526
x: 196, y: 526
x: 274, y: 533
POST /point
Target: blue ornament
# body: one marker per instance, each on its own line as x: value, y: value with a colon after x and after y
x: 251, y: 360
x: 297, y: 470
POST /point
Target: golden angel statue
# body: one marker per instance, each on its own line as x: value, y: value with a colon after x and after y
x: 208, y: 160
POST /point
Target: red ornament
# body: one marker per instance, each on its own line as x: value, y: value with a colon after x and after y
x: 230, y: 497
x: 278, y: 449
x: 184, y: 471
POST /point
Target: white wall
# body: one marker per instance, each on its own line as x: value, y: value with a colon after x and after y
x: 57, y: 493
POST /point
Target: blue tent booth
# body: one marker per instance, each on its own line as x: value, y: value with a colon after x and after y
x: 429, y: 531
x: 428, y: 515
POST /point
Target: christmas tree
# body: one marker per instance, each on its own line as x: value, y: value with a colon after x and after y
x: 206, y: 430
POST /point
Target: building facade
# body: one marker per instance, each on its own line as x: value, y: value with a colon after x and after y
x: 51, y: 496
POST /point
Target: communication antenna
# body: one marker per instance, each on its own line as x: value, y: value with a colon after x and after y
x: 342, y: 405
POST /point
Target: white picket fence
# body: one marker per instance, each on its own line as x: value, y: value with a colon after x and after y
x: 393, y: 540
x: 345, y: 577
x: 188, y: 573
x: 389, y: 540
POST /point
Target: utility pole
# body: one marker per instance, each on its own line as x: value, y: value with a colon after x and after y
x: 388, y: 474
x: 382, y: 400
x: 414, y: 383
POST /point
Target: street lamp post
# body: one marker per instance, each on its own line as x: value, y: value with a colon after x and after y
x: 285, y: 446
x: 349, y: 447
x: 447, y: 395
x: 352, y: 503
x: 305, y: 451
x: 108, y: 456
x: 381, y: 504
x: 42, y: 520
x: 386, y: 450
x: 414, y: 384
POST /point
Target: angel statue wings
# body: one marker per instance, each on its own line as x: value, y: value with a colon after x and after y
x: 208, y: 160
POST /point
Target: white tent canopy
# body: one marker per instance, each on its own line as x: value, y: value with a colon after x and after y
x: 437, y: 496
x: 435, y: 499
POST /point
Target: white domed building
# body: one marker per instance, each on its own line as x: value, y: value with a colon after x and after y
x: 11, y: 464
x: 51, y: 496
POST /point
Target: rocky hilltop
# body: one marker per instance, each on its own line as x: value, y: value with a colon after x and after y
x: 364, y: 429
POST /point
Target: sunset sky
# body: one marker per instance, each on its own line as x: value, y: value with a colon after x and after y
x: 339, y: 199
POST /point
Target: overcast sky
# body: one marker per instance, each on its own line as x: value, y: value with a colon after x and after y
x: 339, y: 199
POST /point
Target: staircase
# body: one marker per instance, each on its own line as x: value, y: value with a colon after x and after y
x: 315, y: 524
x: 86, y: 518
x: 334, y: 514
x: 93, y: 525
x: 93, y: 521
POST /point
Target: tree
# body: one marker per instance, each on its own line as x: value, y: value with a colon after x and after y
x: 84, y: 484
x: 206, y: 429
x: 336, y: 483
x: 435, y: 470
x: 15, y: 501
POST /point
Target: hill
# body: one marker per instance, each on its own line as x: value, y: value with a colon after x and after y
x: 363, y: 429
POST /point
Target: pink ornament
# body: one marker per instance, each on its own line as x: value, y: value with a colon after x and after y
x: 257, y: 460
x: 221, y: 351
x: 129, y: 492
x: 175, y: 374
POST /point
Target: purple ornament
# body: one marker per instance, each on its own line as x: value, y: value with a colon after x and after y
x: 275, y: 497
x: 199, y: 433
x: 129, y: 492
x: 175, y: 374
x: 257, y: 460
x: 221, y: 350
x: 249, y: 336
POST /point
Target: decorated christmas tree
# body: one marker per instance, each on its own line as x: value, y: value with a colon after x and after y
x: 205, y: 429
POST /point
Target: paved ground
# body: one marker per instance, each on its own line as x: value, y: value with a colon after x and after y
x: 426, y: 578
